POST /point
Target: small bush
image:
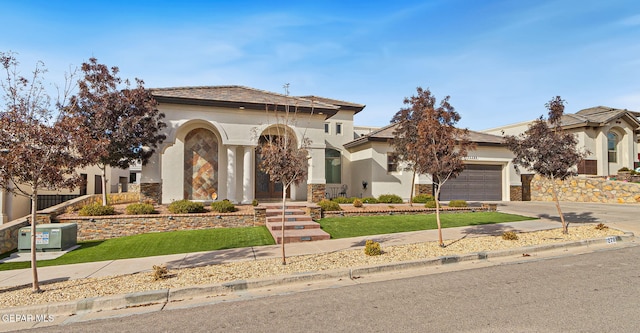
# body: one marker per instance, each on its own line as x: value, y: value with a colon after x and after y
x: 457, y: 203
x: 343, y: 200
x: 357, y: 203
x: 624, y: 169
x: 430, y: 204
x: 509, y: 235
x: 96, y: 209
x: 372, y: 248
x: 160, y: 272
x: 423, y: 198
x: 254, y: 202
x: 224, y: 206
x: 139, y: 209
x: 369, y: 200
x: 601, y: 226
x: 328, y: 205
x: 185, y: 207
x: 389, y: 198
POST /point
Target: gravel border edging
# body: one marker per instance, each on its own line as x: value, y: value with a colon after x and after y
x: 164, y: 296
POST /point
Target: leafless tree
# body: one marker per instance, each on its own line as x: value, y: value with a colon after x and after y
x: 281, y: 157
x: 42, y: 143
x: 546, y: 148
x: 429, y: 142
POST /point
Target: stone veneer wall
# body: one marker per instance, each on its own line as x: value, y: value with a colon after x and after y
x: 315, y: 192
x: 415, y: 211
x: 515, y: 193
x: 423, y: 189
x: 151, y: 191
x: 580, y: 189
x: 106, y: 227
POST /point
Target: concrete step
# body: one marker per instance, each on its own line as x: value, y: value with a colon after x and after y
x: 278, y: 212
x: 293, y: 225
x: 296, y: 236
x: 289, y: 218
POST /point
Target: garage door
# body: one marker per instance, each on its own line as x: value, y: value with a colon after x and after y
x: 475, y: 183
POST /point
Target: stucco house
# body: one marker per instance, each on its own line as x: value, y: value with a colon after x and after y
x: 610, y: 135
x: 212, y: 133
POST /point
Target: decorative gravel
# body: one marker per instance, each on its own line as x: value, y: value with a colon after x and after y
x: 92, y: 287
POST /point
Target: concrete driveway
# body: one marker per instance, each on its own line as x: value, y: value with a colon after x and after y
x: 625, y: 217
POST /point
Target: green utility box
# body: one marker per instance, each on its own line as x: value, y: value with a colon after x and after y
x: 49, y: 237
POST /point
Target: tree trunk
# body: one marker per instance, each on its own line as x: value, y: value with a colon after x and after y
x: 104, y: 185
x: 284, y: 198
x: 440, y: 241
x: 34, y: 267
x: 565, y: 227
x: 413, y: 185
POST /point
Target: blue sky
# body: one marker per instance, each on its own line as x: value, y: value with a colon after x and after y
x: 500, y: 61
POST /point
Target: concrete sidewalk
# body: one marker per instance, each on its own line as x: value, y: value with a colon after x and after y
x: 622, y: 217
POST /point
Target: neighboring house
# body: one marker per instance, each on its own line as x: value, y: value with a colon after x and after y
x: 212, y: 135
x: 488, y: 176
x: 610, y: 135
x: 14, y: 206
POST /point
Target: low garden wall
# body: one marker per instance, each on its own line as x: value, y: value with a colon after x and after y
x: 106, y: 227
x: 405, y: 211
x: 580, y: 189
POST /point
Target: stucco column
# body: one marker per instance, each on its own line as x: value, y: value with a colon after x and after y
x: 151, y: 179
x: 247, y: 175
x: 231, y: 173
x: 3, y: 207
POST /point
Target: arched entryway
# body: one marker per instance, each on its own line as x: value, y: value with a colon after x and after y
x: 265, y: 188
x: 200, y: 165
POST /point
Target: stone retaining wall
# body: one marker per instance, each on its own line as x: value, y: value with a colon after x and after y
x: 414, y: 211
x: 106, y: 227
x: 580, y: 189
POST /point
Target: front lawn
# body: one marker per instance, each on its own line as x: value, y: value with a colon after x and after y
x: 343, y: 227
x: 155, y: 244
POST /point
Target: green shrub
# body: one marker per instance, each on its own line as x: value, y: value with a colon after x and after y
x: 254, y: 202
x: 430, y: 204
x: 423, y: 198
x: 369, y: 200
x: 357, y: 203
x: 389, y: 198
x: 186, y: 206
x: 139, y: 209
x: 96, y: 209
x: 328, y: 205
x: 224, y: 206
x: 457, y: 203
x: 343, y: 200
x: 372, y: 248
x: 623, y: 169
x: 509, y: 235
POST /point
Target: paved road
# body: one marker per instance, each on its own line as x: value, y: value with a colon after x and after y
x: 595, y: 292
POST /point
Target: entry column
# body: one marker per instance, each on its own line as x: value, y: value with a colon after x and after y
x: 231, y: 173
x: 247, y: 175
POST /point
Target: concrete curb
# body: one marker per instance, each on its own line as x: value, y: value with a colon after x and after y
x: 164, y: 296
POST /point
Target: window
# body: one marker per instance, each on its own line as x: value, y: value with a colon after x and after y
x: 392, y: 162
x: 338, y: 128
x: 612, y: 147
x: 326, y: 128
x: 332, y: 166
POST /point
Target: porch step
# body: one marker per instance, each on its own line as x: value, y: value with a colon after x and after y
x: 296, y: 236
x: 298, y: 226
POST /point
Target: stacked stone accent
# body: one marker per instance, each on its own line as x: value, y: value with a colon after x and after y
x: 260, y: 215
x: 315, y: 212
x: 515, y: 193
x: 415, y: 211
x: 580, y: 189
x: 315, y: 192
x: 106, y: 227
x: 9, y: 234
x: 151, y: 191
x: 423, y: 189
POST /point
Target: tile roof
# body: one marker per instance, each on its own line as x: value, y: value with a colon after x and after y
x: 597, y: 116
x: 234, y: 95
x: 343, y: 104
x: 386, y: 133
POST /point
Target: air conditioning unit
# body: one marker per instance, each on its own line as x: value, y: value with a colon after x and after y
x: 49, y: 237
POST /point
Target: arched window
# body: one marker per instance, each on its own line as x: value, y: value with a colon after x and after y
x: 332, y: 166
x: 612, y: 147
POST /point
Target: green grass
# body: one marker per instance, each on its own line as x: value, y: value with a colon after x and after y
x: 154, y: 244
x: 343, y: 227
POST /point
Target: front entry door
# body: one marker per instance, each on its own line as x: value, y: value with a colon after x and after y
x: 265, y: 188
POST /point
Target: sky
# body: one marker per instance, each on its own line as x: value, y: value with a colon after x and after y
x: 499, y: 61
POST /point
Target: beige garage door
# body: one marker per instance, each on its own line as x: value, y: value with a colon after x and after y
x: 475, y: 183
